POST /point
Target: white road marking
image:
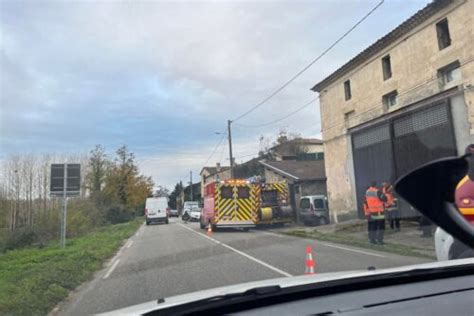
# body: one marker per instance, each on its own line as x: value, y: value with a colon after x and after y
x: 353, y: 250
x: 270, y: 233
x: 130, y: 244
x: 275, y: 269
x: 330, y: 245
x: 112, y: 268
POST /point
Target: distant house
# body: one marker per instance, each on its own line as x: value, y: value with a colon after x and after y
x: 300, y: 153
x: 210, y: 174
x: 249, y: 169
x: 303, y: 177
x: 295, y: 150
x: 298, y: 149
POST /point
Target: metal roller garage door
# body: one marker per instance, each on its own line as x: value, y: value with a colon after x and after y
x: 389, y: 150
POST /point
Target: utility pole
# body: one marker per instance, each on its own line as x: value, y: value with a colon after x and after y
x: 191, y: 184
x: 231, y: 159
x: 62, y: 241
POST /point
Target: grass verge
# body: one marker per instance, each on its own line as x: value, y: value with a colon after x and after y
x: 33, y: 281
x: 349, y: 240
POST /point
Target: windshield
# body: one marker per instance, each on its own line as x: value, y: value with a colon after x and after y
x: 269, y: 198
x: 277, y: 125
x: 305, y: 203
x: 318, y: 203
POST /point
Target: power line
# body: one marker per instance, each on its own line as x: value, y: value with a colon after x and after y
x: 243, y: 156
x: 221, y: 155
x: 281, y: 118
x: 215, y: 148
x: 308, y: 66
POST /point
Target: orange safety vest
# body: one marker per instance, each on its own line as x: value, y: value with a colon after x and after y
x: 366, y: 208
x: 374, y: 204
x: 390, y: 204
x: 464, y: 198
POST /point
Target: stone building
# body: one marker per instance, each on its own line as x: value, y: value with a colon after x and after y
x: 298, y: 149
x: 211, y: 174
x: 303, y: 177
x: 405, y: 100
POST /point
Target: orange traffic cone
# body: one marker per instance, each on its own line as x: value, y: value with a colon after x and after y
x: 310, y: 263
x: 209, y: 230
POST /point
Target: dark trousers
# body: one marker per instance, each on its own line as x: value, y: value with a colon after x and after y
x: 393, y: 217
x: 376, y: 228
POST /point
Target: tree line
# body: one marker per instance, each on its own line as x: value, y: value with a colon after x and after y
x: 113, y: 191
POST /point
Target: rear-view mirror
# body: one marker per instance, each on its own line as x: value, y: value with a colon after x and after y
x: 431, y: 188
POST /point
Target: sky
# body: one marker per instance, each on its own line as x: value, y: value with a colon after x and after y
x: 164, y: 77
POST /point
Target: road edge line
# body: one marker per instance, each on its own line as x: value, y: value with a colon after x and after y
x: 112, y: 268
x: 269, y: 266
x: 331, y: 245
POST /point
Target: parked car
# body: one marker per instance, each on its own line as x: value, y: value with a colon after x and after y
x: 314, y: 210
x: 156, y: 210
x: 192, y: 209
x: 174, y: 213
x: 448, y: 248
x: 195, y: 214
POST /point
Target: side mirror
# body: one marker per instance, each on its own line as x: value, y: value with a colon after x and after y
x: 430, y: 189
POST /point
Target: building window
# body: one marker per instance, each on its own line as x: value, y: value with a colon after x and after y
x: 386, y: 67
x: 442, y: 30
x: 450, y: 73
x: 347, y: 89
x: 390, y: 99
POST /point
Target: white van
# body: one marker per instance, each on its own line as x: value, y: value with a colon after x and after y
x: 156, y: 210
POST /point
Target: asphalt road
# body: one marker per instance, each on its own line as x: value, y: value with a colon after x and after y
x: 164, y: 260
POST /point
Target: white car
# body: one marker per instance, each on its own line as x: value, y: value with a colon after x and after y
x: 193, y: 210
x: 195, y: 214
x: 174, y: 213
x: 448, y: 248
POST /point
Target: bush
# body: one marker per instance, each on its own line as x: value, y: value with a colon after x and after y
x: 118, y: 214
x: 20, y: 238
x: 78, y: 224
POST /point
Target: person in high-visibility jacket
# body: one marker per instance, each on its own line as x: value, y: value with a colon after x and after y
x: 464, y: 194
x: 391, y: 208
x: 375, y: 213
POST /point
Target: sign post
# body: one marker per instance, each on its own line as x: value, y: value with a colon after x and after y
x: 65, y: 182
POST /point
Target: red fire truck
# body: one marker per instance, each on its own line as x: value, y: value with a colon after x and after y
x: 231, y: 203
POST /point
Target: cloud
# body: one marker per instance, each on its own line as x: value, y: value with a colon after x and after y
x: 162, y: 77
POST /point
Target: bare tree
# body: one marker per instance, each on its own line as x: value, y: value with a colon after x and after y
x: 14, y: 185
x: 27, y: 174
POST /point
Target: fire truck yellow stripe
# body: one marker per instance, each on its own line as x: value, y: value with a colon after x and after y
x: 244, y: 212
x: 245, y: 202
x: 245, y: 208
x: 226, y: 205
x: 225, y: 208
